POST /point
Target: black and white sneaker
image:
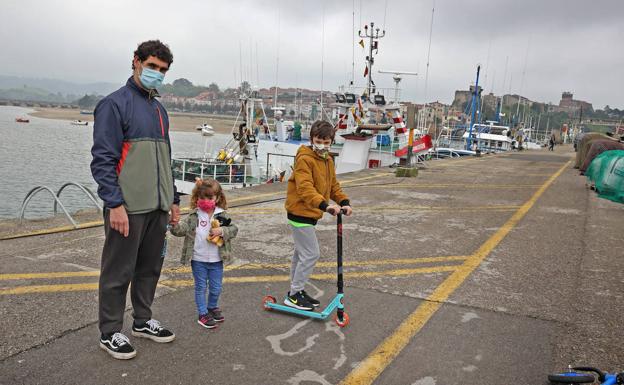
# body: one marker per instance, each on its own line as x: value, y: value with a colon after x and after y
x: 313, y: 301
x: 153, y: 330
x: 117, y: 345
x: 298, y: 301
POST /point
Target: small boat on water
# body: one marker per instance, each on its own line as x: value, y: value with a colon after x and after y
x: 22, y: 120
x: 205, y: 129
x: 79, y: 122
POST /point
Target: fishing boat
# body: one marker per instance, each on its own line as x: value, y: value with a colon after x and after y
x: 22, y: 120
x: 79, y: 122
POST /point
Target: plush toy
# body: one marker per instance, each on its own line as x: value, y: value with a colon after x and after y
x: 217, y: 240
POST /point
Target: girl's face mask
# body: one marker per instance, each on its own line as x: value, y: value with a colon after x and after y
x: 206, y: 204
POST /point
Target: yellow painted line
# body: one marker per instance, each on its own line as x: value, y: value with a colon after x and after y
x: 376, y: 362
x: 461, y: 185
x: 250, y: 266
x: 249, y: 279
x: 49, y: 288
x: 399, y: 261
x: 54, y: 230
x: 273, y: 209
x: 54, y: 274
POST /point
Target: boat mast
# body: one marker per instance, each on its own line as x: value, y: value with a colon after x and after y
x: 373, y: 36
x: 475, y: 96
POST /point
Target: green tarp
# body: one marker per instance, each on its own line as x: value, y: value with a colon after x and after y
x: 606, y: 173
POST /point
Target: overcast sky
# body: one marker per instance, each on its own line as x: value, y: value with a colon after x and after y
x: 564, y: 45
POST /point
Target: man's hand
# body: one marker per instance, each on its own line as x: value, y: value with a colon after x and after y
x: 333, y: 209
x: 119, y: 220
x: 175, y: 215
x: 347, y: 210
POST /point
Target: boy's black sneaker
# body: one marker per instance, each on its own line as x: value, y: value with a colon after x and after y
x: 313, y: 301
x: 298, y: 301
x: 153, y: 330
x: 117, y: 345
x: 216, y: 314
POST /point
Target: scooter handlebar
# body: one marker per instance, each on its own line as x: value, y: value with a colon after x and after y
x: 333, y: 212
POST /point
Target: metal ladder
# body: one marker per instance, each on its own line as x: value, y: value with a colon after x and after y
x: 57, y: 201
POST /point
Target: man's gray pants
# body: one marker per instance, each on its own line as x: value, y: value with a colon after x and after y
x: 137, y: 259
x: 305, y: 256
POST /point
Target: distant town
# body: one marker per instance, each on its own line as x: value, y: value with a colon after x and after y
x: 182, y: 96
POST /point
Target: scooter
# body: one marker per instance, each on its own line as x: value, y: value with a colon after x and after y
x: 341, y: 318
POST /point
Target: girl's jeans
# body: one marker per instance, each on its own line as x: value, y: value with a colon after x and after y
x: 207, y: 275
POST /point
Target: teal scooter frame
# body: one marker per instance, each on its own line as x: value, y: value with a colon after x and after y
x: 342, y: 318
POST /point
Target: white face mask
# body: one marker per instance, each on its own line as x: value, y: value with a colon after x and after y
x: 319, y: 147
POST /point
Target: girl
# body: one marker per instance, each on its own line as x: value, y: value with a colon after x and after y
x: 207, y: 231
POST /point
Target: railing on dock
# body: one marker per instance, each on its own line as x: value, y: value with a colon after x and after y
x: 57, y: 200
x: 228, y: 175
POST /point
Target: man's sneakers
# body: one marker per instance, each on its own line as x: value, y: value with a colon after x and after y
x: 298, y: 301
x: 207, y: 321
x: 313, y: 301
x: 117, y: 345
x: 216, y: 314
x: 152, y: 330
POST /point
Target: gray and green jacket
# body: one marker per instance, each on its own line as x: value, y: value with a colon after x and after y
x: 132, y: 152
x: 186, y: 228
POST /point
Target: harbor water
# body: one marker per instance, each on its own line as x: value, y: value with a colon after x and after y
x: 52, y: 152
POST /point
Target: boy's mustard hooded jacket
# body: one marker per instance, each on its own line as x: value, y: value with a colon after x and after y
x: 311, y: 185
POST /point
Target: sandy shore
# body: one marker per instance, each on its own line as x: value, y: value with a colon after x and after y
x: 178, y: 121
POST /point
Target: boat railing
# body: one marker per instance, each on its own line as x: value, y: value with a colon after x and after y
x: 282, y: 160
x: 57, y: 201
x: 226, y: 174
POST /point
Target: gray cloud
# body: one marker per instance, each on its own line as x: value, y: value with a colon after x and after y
x: 574, y: 45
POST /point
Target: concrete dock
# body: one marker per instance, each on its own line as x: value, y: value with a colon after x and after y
x: 491, y: 270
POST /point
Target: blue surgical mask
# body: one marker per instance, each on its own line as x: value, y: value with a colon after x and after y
x: 151, y: 79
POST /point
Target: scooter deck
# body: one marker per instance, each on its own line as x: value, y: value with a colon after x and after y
x: 336, y: 303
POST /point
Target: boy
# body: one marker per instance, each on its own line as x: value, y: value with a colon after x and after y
x: 310, y: 187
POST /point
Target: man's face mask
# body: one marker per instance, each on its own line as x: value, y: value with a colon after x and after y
x: 151, y: 79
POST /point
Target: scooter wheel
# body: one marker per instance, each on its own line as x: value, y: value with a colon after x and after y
x: 345, y: 319
x: 266, y: 300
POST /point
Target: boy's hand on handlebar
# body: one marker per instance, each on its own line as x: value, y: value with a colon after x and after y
x: 333, y: 209
x: 347, y: 210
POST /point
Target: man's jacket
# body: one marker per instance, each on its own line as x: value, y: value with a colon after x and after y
x: 132, y: 152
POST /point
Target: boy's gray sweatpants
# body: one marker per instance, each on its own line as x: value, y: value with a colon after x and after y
x: 306, y: 254
x: 137, y: 259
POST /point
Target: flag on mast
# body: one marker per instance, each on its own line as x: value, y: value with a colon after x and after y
x: 361, y: 43
x: 366, y: 71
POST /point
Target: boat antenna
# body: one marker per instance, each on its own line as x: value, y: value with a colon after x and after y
x: 353, y: 45
x: 397, y: 79
x: 322, y: 56
x: 240, y: 57
x: 385, y: 12
x: 428, y: 57
x: 277, y: 60
x: 373, y: 35
x: 526, y: 57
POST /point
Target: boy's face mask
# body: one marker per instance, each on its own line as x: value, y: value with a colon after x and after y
x: 321, y: 149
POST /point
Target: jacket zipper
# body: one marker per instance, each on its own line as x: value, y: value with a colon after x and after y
x: 162, y: 130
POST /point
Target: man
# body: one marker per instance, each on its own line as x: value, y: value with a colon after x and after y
x: 132, y: 167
